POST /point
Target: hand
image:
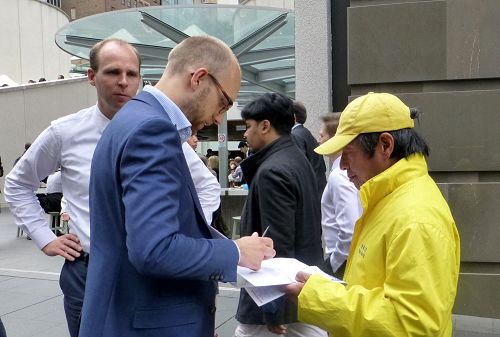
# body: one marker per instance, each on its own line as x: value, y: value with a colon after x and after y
x: 277, y: 329
x: 294, y: 289
x: 67, y: 246
x: 65, y: 216
x: 254, y: 249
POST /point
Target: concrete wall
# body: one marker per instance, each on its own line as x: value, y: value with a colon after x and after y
x: 27, y: 41
x: 313, y: 58
x: 27, y: 110
x: 443, y: 57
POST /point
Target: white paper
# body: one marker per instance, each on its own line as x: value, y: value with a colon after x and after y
x: 265, y: 285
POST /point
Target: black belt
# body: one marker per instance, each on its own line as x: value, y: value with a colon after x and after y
x: 83, y: 257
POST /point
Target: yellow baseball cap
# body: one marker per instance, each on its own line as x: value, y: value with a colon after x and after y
x: 373, y: 112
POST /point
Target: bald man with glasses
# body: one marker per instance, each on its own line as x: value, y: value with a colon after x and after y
x: 155, y: 261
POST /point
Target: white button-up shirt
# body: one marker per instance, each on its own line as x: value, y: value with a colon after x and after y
x: 340, y: 209
x: 69, y: 142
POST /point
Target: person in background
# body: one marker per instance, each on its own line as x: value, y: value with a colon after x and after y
x: 206, y: 184
x: 155, y: 262
x: 237, y: 174
x: 306, y: 142
x: 69, y: 143
x: 51, y: 200
x: 213, y: 164
x: 340, y: 206
x: 243, y: 150
x: 404, y: 261
x: 193, y: 142
x: 26, y: 147
x: 281, y: 183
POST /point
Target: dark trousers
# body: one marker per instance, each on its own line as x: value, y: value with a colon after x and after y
x: 72, y: 282
x: 2, y: 330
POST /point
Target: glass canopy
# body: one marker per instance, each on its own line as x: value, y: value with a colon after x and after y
x: 262, y: 38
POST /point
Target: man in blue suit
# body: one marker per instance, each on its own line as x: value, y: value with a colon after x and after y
x: 154, y: 262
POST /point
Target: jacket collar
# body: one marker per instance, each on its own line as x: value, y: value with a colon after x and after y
x: 251, y: 164
x: 383, y: 184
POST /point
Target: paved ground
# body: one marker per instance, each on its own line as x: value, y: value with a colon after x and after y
x: 31, y: 300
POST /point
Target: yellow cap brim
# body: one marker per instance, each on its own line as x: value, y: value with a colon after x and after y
x: 335, y: 144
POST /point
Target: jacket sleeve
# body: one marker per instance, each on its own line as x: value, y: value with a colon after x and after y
x: 277, y: 205
x: 416, y: 299
x: 153, y: 172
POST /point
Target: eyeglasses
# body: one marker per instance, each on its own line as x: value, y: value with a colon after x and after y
x: 226, y: 96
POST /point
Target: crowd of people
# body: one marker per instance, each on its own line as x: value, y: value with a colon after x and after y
x: 143, y: 255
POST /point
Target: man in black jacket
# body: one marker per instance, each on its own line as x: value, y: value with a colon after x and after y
x: 307, y: 143
x: 283, y: 195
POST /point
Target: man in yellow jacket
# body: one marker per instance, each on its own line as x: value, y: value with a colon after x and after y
x: 404, y: 260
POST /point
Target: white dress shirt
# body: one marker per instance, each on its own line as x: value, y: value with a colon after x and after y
x: 206, y: 184
x: 54, y: 184
x: 340, y: 209
x: 69, y: 142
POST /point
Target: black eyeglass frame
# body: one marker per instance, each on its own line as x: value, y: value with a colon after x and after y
x: 226, y: 96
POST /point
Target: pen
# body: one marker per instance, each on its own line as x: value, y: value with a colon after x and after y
x: 265, y: 231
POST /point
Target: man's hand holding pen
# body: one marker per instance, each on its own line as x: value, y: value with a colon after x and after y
x: 255, y: 249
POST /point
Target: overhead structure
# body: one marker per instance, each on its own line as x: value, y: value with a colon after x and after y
x: 262, y: 38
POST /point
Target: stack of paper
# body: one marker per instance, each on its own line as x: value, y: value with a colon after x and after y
x: 265, y: 285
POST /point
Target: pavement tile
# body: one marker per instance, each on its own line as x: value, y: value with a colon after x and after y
x: 31, y: 300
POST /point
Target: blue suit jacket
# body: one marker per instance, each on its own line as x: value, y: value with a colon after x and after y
x: 153, y: 263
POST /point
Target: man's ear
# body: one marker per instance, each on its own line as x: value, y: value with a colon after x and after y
x: 265, y: 126
x: 196, y: 77
x: 91, y: 76
x: 386, y: 142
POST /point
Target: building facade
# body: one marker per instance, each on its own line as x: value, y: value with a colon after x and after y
x: 77, y: 9
x: 442, y: 57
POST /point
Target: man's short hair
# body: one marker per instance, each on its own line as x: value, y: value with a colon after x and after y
x: 331, y: 122
x: 406, y: 141
x: 274, y: 107
x: 201, y: 51
x: 242, y: 144
x: 300, y: 112
x: 94, y: 52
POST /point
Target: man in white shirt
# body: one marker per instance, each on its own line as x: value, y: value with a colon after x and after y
x: 206, y: 184
x: 340, y: 206
x: 69, y: 143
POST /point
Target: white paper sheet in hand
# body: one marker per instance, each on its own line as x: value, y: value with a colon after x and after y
x: 264, y: 285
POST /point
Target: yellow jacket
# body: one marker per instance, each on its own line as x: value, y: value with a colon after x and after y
x: 403, y: 265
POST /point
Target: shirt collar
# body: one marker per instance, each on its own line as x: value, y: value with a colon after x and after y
x: 174, y: 113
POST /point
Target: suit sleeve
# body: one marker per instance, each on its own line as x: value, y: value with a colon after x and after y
x: 153, y: 173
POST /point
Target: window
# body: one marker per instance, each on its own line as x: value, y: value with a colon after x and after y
x: 73, y: 13
x: 123, y: 2
x: 129, y: 3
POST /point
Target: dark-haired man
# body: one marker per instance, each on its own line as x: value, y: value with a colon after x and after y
x: 282, y: 190
x: 306, y: 142
x: 404, y: 260
x: 69, y: 143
